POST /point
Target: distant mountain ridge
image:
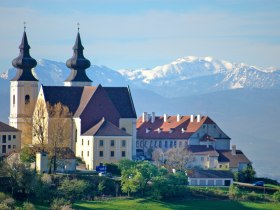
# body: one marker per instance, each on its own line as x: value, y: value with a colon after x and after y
x: 185, y: 76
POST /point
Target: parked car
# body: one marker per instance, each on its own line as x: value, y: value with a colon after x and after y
x: 102, y: 174
x: 258, y: 183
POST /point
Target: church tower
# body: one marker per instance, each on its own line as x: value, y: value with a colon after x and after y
x: 23, y: 92
x: 78, y: 65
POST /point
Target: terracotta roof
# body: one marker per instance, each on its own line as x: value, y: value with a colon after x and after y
x: 209, y: 174
x: 6, y: 128
x: 105, y: 128
x: 206, y: 137
x: 189, y: 127
x: 203, y: 150
x: 234, y: 160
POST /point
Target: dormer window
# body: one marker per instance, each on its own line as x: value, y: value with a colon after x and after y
x: 27, y: 99
x: 148, y: 130
x: 183, y: 130
x: 159, y: 130
x: 171, y: 130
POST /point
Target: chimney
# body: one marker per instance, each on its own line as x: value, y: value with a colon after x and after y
x: 178, y: 117
x: 153, y: 117
x: 207, y: 143
x: 148, y: 117
x: 233, y: 151
x: 198, y: 118
x: 165, y: 117
x: 192, y: 117
x: 144, y: 116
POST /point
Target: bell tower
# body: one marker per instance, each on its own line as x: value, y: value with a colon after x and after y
x: 78, y: 65
x: 23, y: 92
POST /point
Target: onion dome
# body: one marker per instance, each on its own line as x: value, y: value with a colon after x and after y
x: 78, y: 63
x: 24, y: 62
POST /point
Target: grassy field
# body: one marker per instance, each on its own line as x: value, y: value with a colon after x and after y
x: 137, y: 204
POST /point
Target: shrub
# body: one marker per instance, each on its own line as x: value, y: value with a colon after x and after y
x: 276, y: 196
x: 234, y: 193
x: 113, y: 168
x: 3, y: 196
x: 10, y: 202
x: 252, y: 196
x: 4, y: 206
x: 28, y: 206
x: 59, y: 203
x: 73, y: 189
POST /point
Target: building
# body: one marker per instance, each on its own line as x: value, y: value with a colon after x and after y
x: 208, y: 144
x: 97, y: 114
x: 10, y: 139
x: 209, y: 178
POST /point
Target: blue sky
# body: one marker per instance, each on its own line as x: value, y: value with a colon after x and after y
x: 142, y: 33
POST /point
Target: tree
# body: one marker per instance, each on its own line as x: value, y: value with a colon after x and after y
x: 246, y: 175
x: 59, y: 131
x: 40, y: 124
x: 27, y: 155
x: 147, y: 171
x: 178, y: 158
x: 158, y: 157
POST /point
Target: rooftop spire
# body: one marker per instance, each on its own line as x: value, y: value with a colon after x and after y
x: 24, y: 62
x: 78, y: 63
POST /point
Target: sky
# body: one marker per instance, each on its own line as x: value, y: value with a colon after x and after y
x: 128, y: 34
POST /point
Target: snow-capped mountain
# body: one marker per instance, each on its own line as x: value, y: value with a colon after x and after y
x: 196, y: 75
x: 183, y: 77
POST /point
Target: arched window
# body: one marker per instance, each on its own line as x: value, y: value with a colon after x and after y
x: 27, y: 99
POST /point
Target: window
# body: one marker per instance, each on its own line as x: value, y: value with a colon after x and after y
x: 82, y: 141
x: 88, y: 142
x: 202, y: 158
x: 203, y: 126
x: 175, y: 144
x: 76, y: 135
x: 9, y: 137
x: 123, y: 143
x: 137, y: 143
x: 3, y: 148
x: 82, y: 153
x: 124, y: 129
x: 123, y: 153
x: 112, y: 143
x: 9, y: 146
x: 141, y: 144
x: 4, y: 138
x: 101, y: 143
x: 166, y: 144
x: 159, y: 144
x: 14, y: 99
x: 14, y: 136
x: 27, y: 99
x: 197, y: 135
x: 112, y: 153
x: 14, y: 146
x: 171, y: 144
x: 88, y: 153
x: 100, y: 153
x: 155, y: 143
x: 180, y: 144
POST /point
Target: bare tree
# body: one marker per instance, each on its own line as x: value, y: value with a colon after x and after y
x: 178, y: 158
x: 158, y: 156
x: 59, y: 135
x: 40, y: 124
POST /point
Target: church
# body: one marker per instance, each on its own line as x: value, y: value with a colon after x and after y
x: 102, y: 126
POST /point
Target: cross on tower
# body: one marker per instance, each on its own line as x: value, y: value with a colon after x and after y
x: 78, y: 24
x: 24, y: 25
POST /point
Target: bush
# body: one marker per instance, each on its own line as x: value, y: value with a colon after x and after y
x: 28, y: 206
x: 113, y: 168
x: 4, y: 206
x: 252, y: 196
x: 10, y: 202
x: 73, y: 189
x: 3, y: 196
x: 59, y: 204
x: 234, y: 192
x: 276, y: 196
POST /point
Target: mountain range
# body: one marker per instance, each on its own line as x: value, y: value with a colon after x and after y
x: 243, y: 100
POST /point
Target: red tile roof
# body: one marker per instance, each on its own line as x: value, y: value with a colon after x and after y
x: 184, y: 123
